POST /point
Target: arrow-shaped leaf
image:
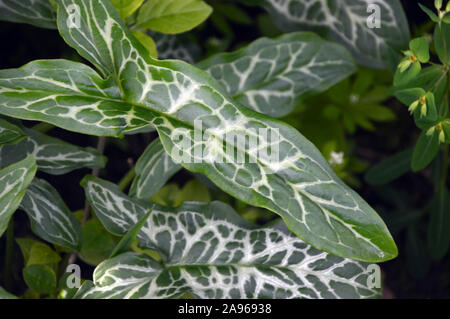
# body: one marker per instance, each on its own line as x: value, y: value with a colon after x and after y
x: 36, y: 12
x: 271, y: 75
x: 9, y: 133
x: 366, y: 27
x: 153, y: 169
x: 210, y: 251
x: 52, y: 155
x: 14, y: 181
x: 70, y: 95
x: 50, y: 217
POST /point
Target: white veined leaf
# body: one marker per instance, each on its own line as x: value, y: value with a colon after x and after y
x: 350, y: 22
x: 9, y: 133
x: 208, y: 250
x: 14, y: 181
x: 36, y: 12
x: 70, y: 95
x: 176, y: 47
x: 153, y: 169
x: 50, y: 217
x: 52, y: 155
x: 172, y: 96
x: 270, y: 76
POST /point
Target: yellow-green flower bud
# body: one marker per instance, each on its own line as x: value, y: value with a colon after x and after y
x: 442, y: 137
x: 431, y: 131
x: 423, y: 110
x: 404, y: 65
x: 438, y: 4
x: 413, y: 106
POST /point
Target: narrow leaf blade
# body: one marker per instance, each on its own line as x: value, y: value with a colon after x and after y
x: 14, y: 181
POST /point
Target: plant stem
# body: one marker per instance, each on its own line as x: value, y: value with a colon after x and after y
x: 444, y: 45
x: 100, y: 148
x: 443, y: 76
x: 43, y: 127
x: 9, y: 254
x: 444, y: 165
x: 126, y: 180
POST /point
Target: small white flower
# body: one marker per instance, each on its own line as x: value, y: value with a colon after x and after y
x: 336, y: 158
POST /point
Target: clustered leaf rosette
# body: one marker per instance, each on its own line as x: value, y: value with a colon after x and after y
x: 410, y: 66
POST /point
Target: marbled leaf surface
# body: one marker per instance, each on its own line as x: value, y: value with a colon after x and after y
x: 211, y: 252
x: 52, y: 155
x: 153, y: 169
x: 350, y: 22
x: 14, y: 181
x: 50, y: 217
x: 10, y: 134
x: 271, y: 75
x: 36, y: 12
x: 173, y: 96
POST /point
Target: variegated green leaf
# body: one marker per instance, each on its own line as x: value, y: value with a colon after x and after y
x: 153, y: 169
x: 176, y: 47
x: 209, y: 251
x: 172, y: 95
x: 70, y: 95
x: 10, y: 133
x: 36, y: 12
x: 52, y: 155
x: 271, y: 75
x: 14, y: 181
x: 50, y: 218
x: 350, y: 22
x: 268, y: 76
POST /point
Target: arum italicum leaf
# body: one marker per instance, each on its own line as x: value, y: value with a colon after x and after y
x: 10, y: 133
x: 153, y: 169
x: 14, y: 181
x: 171, y: 95
x: 36, y: 12
x: 211, y: 252
x: 52, y: 155
x: 50, y: 217
x: 350, y: 22
x: 271, y: 75
x: 176, y: 47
